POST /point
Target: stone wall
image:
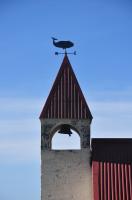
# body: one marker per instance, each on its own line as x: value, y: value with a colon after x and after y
x: 50, y: 126
x: 66, y: 175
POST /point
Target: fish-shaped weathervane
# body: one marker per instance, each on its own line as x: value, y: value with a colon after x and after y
x: 64, y: 45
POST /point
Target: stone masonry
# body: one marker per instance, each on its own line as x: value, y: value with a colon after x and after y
x: 65, y: 174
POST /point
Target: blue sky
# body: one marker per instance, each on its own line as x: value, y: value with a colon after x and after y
x: 102, y: 33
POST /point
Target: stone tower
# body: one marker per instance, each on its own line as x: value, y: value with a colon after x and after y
x: 65, y: 174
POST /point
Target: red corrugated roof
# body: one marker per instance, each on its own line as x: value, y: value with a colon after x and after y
x: 66, y: 99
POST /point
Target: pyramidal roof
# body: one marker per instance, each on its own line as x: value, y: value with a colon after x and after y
x: 66, y: 99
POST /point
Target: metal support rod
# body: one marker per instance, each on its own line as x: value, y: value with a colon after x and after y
x: 73, y: 53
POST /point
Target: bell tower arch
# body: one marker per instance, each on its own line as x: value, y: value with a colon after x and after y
x: 65, y: 174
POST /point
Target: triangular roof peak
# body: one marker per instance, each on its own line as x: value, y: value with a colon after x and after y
x: 66, y: 99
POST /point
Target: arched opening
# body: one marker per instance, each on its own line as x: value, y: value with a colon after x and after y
x: 66, y: 141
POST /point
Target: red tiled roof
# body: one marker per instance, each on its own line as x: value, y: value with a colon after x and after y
x: 66, y: 99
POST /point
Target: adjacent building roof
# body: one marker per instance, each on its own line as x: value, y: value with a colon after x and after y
x: 66, y: 99
x: 112, y: 169
x: 118, y: 150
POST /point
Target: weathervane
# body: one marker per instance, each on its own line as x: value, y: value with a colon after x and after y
x: 64, y: 45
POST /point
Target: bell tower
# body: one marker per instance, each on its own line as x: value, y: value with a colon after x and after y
x: 65, y: 174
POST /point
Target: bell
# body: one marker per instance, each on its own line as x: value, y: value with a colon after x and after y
x: 65, y: 129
